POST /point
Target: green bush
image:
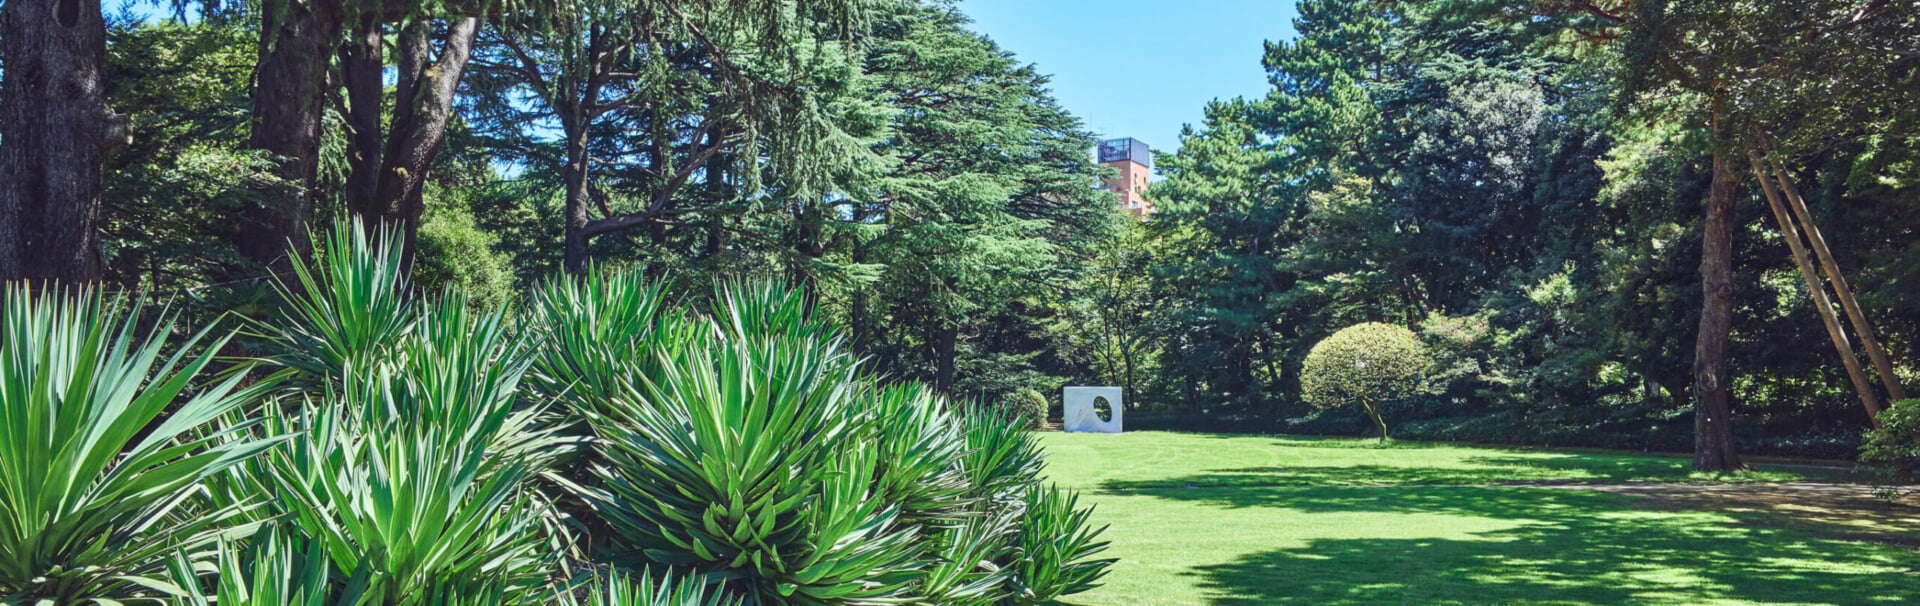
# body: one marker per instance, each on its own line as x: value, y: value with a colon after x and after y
x: 455, y: 253
x: 1030, y: 406
x: 1896, y: 442
x: 1366, y: 364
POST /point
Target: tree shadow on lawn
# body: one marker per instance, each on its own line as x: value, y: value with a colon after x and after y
x: 1570, y: 547
x: 1479, y: 470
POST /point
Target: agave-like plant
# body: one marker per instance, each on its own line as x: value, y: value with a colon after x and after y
x: 411, y: 478
x: 101, y: 447
x: 965, y: 571
x: 740, y: 459
x: 748, y: 452
x: 349, y: 307
x: 599, y: 333
x: 414, y: 512
x: 922, y: 454
x: 1058, y: 546
x: 615, y: 589
x: 1002, y: 458
x: 270, y: 569
x: 745, y: 444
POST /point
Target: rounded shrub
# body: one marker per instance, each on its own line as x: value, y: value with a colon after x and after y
x: 1029, y: 406
x: 1365, y: 364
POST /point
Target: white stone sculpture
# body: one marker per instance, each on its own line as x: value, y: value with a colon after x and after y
x: 1080, y: 414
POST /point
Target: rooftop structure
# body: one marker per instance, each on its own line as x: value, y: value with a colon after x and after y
x: 1134, y: 162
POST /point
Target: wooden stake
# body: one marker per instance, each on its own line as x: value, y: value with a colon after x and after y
x: 1817, y: 289
x: 1840, y: 287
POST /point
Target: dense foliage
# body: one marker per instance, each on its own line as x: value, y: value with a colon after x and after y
x: 1368, y: 364
x: 425, y: 449
x: 1554, y: 195
x: 1522, y: 184
x: 1896, y: 443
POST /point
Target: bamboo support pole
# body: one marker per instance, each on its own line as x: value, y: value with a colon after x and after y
x: 1817, y: 289
x: 1840, y: 287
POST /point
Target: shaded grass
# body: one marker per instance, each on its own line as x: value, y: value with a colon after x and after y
x: 1243, y: 520
x: 1180, y: 460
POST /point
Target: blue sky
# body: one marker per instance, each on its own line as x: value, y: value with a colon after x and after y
x: 1139, y: 68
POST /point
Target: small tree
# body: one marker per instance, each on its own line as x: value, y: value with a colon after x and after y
x: 1366, y: 364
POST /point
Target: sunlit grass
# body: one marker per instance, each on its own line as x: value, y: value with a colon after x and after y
x: 1245, y: 520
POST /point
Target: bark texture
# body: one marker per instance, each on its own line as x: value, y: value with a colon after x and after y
x: 57, y: 128
x: 296, y: 44
x: 1714, y: 448
x: 362, y: 63
x: 423, y: 103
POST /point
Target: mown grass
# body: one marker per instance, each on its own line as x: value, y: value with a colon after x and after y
x: 1244, y: 520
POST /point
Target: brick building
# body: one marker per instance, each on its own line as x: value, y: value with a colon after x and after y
x: 1134, y: 161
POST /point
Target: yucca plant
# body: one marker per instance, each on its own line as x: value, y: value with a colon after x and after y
x: 270, y: 569
x: 415, y: 511
x: 745, y: 444
x: 412, y: 475
x: 599, y: 333
x: 439, y: 465
x: 1003, y: 458
x: 741, y: 459
x: 922, y: 453
x: 964, y: 571
x: 615, y: 589
x: 103, y: 441
x: 748, y: 451
x: 348, y: 307
x: 1057, y: 547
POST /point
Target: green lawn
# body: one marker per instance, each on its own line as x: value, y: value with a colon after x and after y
x: 1212, y: 519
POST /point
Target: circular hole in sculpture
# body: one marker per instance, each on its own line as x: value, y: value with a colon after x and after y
x: 1102, y: 409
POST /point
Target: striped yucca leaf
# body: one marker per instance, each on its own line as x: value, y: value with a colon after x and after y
x: 1003, y: 458
x: 767, y: 308
x: 347, y: 308
x: 747, y: 458
x: 615, y: 589
x: 102, y: 447
x: 965, y: 571
x: 1057, y: 547
x: 599, y: 332
x: 270, y: 568
x: 922, y: 453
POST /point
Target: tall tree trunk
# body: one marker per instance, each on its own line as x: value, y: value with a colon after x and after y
x: 945, y: 337
x: 1817, y: 290
x: 1713, y: 419
x: 56, y: 127
x: 289, y: 99
x: 362, y: 65
x: 423, y: 103
x: 575, y: 173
